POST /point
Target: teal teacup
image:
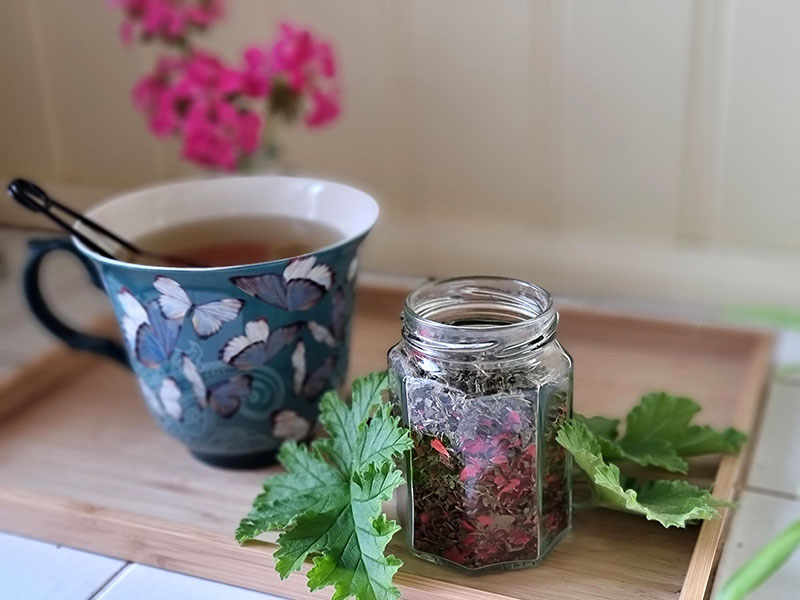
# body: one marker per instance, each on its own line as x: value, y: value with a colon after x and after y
x: 230, y: 360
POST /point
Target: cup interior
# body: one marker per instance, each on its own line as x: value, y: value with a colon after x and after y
x: 134, y: 214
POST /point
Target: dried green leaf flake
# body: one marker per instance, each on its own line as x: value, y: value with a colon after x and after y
x: 329, y: 502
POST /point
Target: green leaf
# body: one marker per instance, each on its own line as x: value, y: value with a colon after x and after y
x: 670, y: 502
x: 665, y: 417
x: 651, y: 428
x: 658, y: 433
x: 705, y: 440
x: 310, y: 484
x: 654, y: 452
x: 676, y: 501
x: 342, y: 421
x: 355, y: 563
x: 600, y: 426
x: 329, y: 502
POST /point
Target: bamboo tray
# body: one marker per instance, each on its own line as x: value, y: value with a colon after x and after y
x: 82, y: 464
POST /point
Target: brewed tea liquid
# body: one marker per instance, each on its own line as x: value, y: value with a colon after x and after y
x: 227, y: 241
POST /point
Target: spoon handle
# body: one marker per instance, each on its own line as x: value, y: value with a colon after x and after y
x: 34, y: 198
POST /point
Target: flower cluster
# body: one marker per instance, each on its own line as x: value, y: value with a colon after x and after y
x: 169, y: 20
x: 295, y: 66
x: 220, y: 111
x: 199, y: 98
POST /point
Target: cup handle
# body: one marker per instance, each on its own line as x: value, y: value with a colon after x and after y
x: 37, y: 250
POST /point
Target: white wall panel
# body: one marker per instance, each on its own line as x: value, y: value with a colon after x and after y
x: 761, y: 154
x: 90, y: 76
x: 25, y: 142
x: 369, y: 144
x: 624, y: 101
x: 472, y: 94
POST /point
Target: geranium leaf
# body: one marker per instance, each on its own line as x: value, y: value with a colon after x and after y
x: 672, y: 503
x: 329, y: 500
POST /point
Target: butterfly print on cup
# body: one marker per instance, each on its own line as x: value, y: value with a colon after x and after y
x: 352, y: 269
x: 149, y: 334
x: 301, y: 286
x: 207, y: 317
x: 311, y: 384
x: 334, y: 335
x: 168, y: 400
x: 224, y: 398
x: 288, y: 425
x: 258, y: 344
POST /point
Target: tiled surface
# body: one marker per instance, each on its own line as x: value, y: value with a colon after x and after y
x: 31, y: 570
x: 776, y: 459
x: 759, y: 518
x: 787, y: 349
x: 138, y: 582
x: 36, y: 570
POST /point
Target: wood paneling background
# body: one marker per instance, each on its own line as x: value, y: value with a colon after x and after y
x: 617, y: 147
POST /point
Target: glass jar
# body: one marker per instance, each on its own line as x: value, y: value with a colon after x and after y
x: 483, y: 385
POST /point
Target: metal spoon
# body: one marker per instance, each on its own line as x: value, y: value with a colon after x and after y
x: 35, y: 199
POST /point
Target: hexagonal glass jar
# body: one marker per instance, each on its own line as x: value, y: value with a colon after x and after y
x: 482, y: 383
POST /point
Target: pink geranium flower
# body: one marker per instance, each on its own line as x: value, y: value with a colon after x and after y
x: 211, y: 74
x: 196, y: 97
x: 324, y: 108
x: 170, y: 20
x: 153, y: 94
x: 304, y: 61
x: 293, y: 55
x: 216, y: 134
x: 255, y: 72
x: 300, y: 63
x: 218, y: 110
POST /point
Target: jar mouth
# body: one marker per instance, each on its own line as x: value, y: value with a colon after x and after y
x: 481, y: 302
x: 471, y: 314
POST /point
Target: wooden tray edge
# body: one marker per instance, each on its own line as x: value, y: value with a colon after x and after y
x: 707, y: 549
x: 95, y: 530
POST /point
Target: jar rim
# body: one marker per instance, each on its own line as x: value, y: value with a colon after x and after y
x: 543, y: 312
x: 479, y: 316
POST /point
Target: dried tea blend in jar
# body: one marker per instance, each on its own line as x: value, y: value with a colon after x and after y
x: 483, y: 385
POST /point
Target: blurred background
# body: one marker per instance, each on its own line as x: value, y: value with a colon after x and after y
x: 617, y: 148
x: 637, y: 155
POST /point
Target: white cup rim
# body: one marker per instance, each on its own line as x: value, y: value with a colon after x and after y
x: 346, y: 208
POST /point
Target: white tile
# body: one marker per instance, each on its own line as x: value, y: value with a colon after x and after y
x: 787, y: 350
x: 759, y: 518
x: 32, y: 570
x: 138, y: 582
x: 776, y: 460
